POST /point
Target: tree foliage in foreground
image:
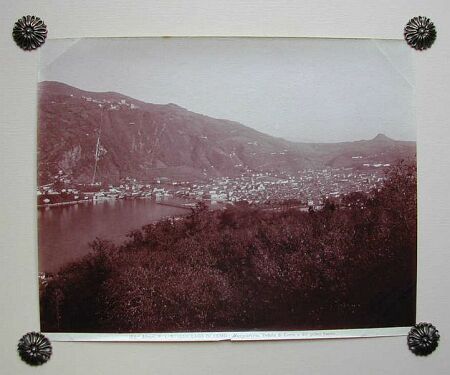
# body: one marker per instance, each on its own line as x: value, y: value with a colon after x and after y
x: 245, y: 268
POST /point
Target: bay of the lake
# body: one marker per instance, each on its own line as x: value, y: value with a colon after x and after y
x: 64, y: 232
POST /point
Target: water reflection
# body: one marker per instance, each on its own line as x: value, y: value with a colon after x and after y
x: 64, y: 232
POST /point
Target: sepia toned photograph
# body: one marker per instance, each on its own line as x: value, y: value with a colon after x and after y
x: 226, y: 185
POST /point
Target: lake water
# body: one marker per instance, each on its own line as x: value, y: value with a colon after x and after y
x: 65, y: 231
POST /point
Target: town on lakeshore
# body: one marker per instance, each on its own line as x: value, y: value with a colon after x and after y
x: 307, y: 188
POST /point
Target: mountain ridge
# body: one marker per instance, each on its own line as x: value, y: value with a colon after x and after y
x: 143, y: 140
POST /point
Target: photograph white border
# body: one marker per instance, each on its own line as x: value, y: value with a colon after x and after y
x: 230, y: 336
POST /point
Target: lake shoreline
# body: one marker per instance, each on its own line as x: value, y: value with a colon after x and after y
x: 65, y: 230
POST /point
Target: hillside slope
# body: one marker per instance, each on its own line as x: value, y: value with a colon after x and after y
x: 144, y: 141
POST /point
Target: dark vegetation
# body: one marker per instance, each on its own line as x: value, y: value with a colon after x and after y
x: 351, y: 265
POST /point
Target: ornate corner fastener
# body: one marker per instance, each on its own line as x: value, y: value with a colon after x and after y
x: 34, y: 348
x: 420, y: 33
x: 423, y: 338
x: 29, y: 32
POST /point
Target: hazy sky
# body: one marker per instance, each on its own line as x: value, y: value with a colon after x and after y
x: 312, y: 90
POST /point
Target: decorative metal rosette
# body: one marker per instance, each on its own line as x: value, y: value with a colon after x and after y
x: 423, y: 338
x: 420, y: 33
x: 29, y: 32
x: 34, y: 348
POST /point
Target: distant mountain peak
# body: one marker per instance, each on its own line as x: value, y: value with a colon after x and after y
x: 381, y: 137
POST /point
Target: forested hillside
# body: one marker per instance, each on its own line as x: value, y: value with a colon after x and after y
x: 243, y: 268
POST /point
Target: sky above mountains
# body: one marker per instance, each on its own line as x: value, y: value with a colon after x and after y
x: 311, y: 90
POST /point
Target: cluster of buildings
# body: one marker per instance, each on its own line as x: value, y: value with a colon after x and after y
x: 308, y: 187
x: 109, y: 104
x: 64, y: 191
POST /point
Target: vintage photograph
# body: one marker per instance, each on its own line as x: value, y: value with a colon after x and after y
x: 226, y: 185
